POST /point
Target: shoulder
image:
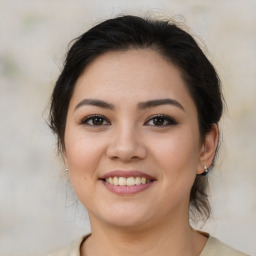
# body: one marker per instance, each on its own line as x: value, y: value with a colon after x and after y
x: 71, y: 250
x: 215, y: 247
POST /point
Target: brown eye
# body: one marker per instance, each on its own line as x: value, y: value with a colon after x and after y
x: 160, y: 120
x: 95, y: 120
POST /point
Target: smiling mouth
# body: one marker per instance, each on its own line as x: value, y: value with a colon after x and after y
x: 125, y: 182
x: 129, y: 181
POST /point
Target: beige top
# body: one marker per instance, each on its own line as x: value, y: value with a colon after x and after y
x: 213, y: 247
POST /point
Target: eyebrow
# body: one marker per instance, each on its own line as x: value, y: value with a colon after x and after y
x: 141, y: 105
x: 94, y: 102
x: 159, y: 102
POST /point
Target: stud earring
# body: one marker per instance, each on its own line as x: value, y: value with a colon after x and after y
x: 66, y: 169
x: 206, y: 170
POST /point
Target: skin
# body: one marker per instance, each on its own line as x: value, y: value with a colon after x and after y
x: 153, y: 221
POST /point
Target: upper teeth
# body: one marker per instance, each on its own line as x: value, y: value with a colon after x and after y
x: 130, y: 181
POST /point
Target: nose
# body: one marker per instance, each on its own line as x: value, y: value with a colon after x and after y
x: 126, y: 145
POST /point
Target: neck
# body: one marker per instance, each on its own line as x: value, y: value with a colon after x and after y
x: 166, y: 238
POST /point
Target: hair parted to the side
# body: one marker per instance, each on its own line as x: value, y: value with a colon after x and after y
x: 170, y: 41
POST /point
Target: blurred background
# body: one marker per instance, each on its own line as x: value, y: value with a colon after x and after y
x: 38, y: 211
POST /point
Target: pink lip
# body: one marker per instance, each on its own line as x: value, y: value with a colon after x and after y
x: 126, y: 174
x: 126, y: 190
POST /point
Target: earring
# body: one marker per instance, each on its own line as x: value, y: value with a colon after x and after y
x: 66, y: 169
x: 206, y: 170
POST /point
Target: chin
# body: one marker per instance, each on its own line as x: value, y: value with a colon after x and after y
x: 127, y: 223
x: 124, y: 217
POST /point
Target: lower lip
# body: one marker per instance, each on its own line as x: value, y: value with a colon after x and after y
x: 127, y: 190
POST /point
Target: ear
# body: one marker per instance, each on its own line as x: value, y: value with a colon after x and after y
x: 208, y: 149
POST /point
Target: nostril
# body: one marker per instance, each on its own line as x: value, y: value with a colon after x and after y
x: 126, y: 151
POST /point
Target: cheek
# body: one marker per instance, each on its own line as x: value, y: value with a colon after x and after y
x: 82, y: 153
x: 82, y: 157
x: 177, y: 156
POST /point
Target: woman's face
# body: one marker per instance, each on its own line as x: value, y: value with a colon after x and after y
x: 132, y: 122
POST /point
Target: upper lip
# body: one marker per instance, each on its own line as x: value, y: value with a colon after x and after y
x: 126, y: 174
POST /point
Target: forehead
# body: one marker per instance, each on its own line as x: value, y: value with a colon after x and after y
x: 139, y: 74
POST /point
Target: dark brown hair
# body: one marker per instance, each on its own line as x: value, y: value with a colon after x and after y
x: 173, y: 43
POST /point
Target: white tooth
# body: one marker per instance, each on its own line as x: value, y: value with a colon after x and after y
x: 110, y: 180
x: 107, y: 180
x: 130, y: 181
x: 143, y: 180
x: 115, y: 181
x: 138, y: 180
x: 122, y: 181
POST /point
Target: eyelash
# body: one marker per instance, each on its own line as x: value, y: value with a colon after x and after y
x: 92, y: 118
x: 167, y: 121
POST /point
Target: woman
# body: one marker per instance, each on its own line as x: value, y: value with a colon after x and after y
x: 136, y: 111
